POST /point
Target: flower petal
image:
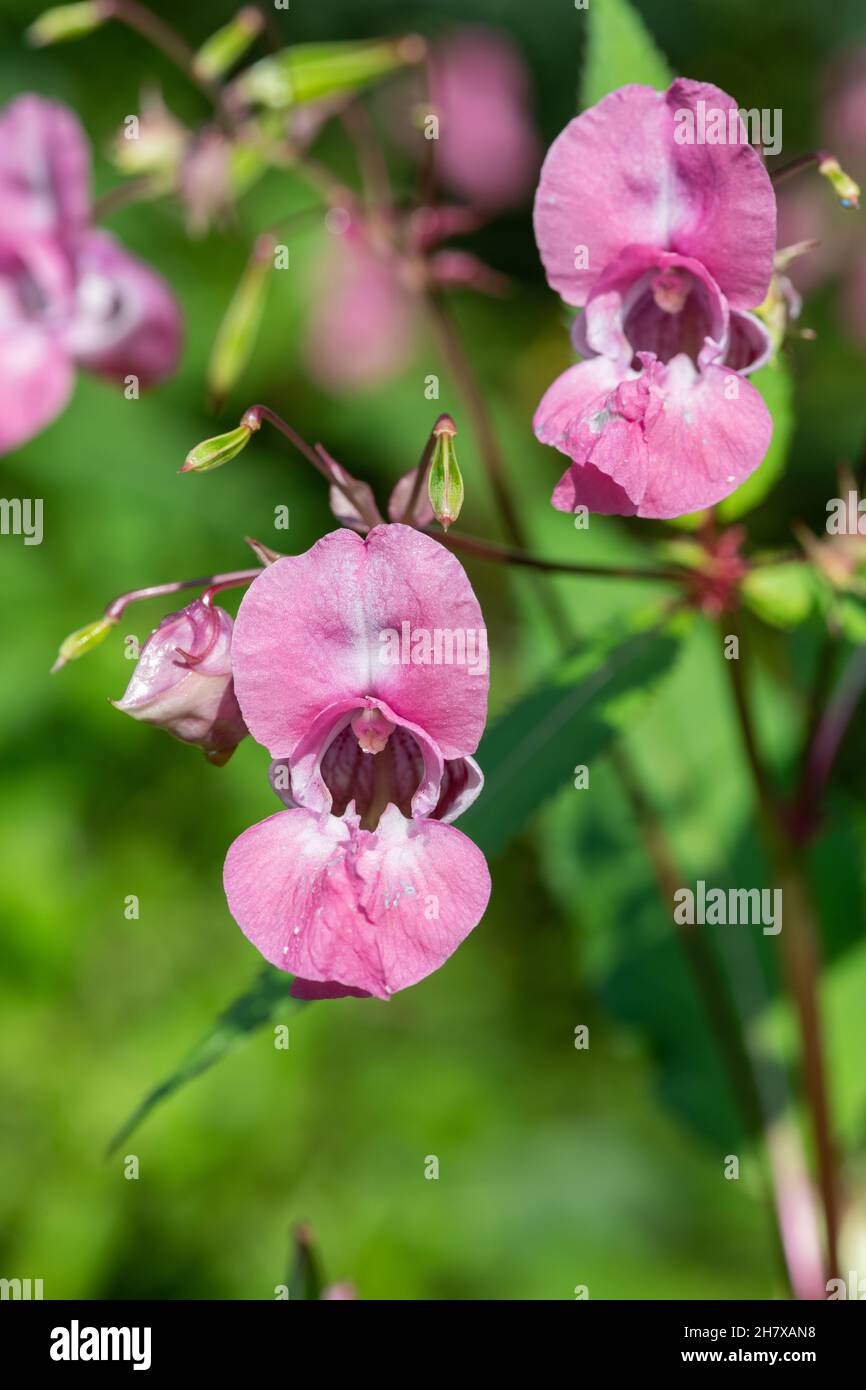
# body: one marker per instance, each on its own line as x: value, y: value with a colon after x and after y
x: 36, y: 381
x: 126, y: 320
x: 317, y: 629
x: 44, y: 169
x: 672, y: 440
x: 374, y: 911
x: 617, y: 176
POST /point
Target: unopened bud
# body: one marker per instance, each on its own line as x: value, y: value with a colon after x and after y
x: 846, y: 190
x: 223, y: 49
x: 213, y: 453
x: 444, y: 483
x: 83, y: 640
x: 237, y: 333
x: 67, y: 22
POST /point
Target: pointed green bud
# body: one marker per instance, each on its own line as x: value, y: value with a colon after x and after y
x: 82, y: 641
x: 67, y: 22
x: 223, y: 49
x: 310, y: 71
x: 213, y: 453
x: 846, y: 190
x: 444, y: 482
x: 239, y: 329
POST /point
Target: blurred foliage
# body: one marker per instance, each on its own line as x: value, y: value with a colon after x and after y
x: 558, y: 1166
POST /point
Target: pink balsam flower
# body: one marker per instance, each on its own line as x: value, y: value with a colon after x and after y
x: 69, y: 294
x: 362, y: 667
x: 183, y: 681
x: 666, y: 241
x: 488, y: 150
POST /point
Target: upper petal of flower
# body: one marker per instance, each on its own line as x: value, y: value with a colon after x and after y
x: 617, y: 175
x: 327, y: 627
x: 125, y: 321
x: 44, y: 169
x: 373, y: 911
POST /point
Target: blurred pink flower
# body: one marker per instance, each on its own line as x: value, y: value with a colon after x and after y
x: 808, y: 212
x: 362, y: 887
x: 488, y: 151
x: 69, y: 294
x: 668, y: 244
x: 367, y: 310
x: 183, y: 681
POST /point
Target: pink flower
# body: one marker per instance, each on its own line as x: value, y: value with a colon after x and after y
x: 68, y: 293
x: 488, y: 151
x: 667, y: 243
x: 362, y: 667
x: 183, y: 681
x: 368, y: 310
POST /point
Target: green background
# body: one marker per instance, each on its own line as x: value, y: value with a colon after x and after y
x: 558, y: 1167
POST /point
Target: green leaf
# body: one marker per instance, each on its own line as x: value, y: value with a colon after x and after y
x: 223, y: 49
x: 775, y: 385
x: 531, y: 752
x: 619, y: 50
x: 244, y: 1016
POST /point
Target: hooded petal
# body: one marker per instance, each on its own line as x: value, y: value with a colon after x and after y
x: 182, y: 681
x: 327, y: 627
x: 125, y: 321
x: 44, y: 169
x: 373, y: 911
x: 618, y: 175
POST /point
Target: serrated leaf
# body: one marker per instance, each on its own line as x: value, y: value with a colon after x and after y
x: 619, y: 50
x: 250, y: 1011
x: 531, y: 752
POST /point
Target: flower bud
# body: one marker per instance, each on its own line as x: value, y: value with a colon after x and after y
x: 83, y: 640
x: 67, y: 22
x: 846, y: 190
x: 236, y: 335
x: 444, y: 483
x: 183, y: 681
x: 311, y: 71
x: 223, y: 49
x: 213, y: 453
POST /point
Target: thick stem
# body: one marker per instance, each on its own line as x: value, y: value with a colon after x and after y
x: 505, y: 555
x: 799, y: 949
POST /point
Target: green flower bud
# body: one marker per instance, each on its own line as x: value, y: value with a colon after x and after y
x: 213, y: 453
x: 444, y: 481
